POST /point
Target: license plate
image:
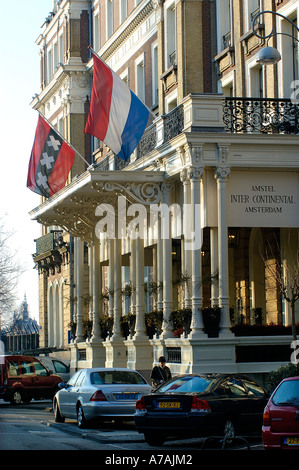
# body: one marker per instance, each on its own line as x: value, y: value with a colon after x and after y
x: 291, y: 441
x: 168, y: 404
x: 126, y: 396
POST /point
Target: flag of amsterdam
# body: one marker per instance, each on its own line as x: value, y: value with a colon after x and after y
x: 50, y: 162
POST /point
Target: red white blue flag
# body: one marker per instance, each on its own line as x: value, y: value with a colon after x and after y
x: 116, y: 116
x: 50, y: 162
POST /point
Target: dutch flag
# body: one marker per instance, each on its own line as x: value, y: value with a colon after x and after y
x: 116, y: 115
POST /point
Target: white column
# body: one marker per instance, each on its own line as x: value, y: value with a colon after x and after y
x: 222, y: 173
x: 167, y: 262
x: 111, y: 277
x: 186, y: 254
x: 140, y: 306
x: 96, y: 291
x: 194, y: 174
x: 133, y: 275
x: 214, y: 265
x: 117, y: 288
x: 79, y: 263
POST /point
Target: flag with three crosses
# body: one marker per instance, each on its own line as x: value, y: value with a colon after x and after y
x: 50, y: 162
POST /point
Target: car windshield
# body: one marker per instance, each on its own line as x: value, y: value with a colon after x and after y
x: 187, y: 384
x: 287, y: 393
x: 116, y: 377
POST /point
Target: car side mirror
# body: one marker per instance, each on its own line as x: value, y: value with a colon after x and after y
x: 62, y: 385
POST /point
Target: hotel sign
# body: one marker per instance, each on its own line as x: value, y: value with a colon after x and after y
x: 263, y: 199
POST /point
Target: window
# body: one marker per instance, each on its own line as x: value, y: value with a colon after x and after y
x: 224, y: 39
x: 40, y: 369
x: 170, y: 36
x: 26, y: 368
x: 12, y: 368
x: 61, y: 49
x: 96, y: 31
x: 235, y: 387
x: 254, y: 389
x: 75, y: 377
x: 116, y: 377
x: 252, y: 8
x: 155, y: 79
x: 140, y: 79
x: 109, y: 18
x: 288, y: 392
x: 60, y: 367
x: 288, y: 48
x: 187, y: 384
x: 49, y: 66
x: 123, y: 10
x: 256, y: 82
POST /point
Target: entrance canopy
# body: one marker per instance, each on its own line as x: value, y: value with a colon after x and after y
x: 73, y: 207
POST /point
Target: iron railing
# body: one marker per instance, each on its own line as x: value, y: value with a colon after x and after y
x: 266, y: 116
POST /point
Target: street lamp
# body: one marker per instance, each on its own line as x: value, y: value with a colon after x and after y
x: 270, y: 55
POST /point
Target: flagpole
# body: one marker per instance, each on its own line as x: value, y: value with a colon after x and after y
x: 94, y: 53
x: 63, y: 138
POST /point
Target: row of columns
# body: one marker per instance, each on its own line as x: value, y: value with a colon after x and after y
x: 162, y: 265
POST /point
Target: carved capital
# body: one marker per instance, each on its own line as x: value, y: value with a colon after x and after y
x: 194, y: 173
x: 222, y: 173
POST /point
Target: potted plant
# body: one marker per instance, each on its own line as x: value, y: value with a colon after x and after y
x: 211, y: 320
x: 153, y: 322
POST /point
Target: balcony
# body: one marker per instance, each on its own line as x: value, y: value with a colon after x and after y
x: 48, y: 256
x: 265, y: 116
x: 216, y: 113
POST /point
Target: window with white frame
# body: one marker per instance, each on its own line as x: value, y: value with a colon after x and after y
x: 140, y: 78
x: 124, y: 76
x: 224, y: 36
x: 109, y: 18
x: 170, y: 31
x: 96, y: 30
x: 256, y: 81
x: 123, y: 10
x: 55, y: 56
x: 155, y: 79
x: 171, y: 101
x: 49, y: 65
x: 227, y: 86
x: 288, y: 47
x: 61, y: 49
x: 251, y: 8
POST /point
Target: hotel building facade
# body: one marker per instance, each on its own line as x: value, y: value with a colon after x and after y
x: 202, y: 221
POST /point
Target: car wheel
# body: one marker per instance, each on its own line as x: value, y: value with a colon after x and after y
x: 229, y: 430
x: 16, y: 397
x: 154, y: 440
x: 57, y: 415
x: 82, y: 423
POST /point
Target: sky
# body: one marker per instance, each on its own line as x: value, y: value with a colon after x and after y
x: 20, y: 26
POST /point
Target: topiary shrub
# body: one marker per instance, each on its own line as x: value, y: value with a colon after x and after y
x: 276, y: 376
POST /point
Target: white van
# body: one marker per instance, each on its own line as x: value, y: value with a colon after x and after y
x: 58, y: 366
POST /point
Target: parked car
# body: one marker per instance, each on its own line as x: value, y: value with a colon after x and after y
x: 99, y: 393
x: 58, y: 366
x: 201, y: 405
x: 281, y: 416
x: 25, y: 377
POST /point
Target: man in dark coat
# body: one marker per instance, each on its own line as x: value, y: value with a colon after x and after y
x: 160, y: 373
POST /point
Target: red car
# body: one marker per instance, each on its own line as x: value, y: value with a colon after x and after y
x: 24, y: 377
x: 281, y: 416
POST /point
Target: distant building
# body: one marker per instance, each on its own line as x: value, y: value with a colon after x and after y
x: 23, y: 333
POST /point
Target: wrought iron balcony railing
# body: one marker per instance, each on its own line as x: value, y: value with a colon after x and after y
x: 266, y: 116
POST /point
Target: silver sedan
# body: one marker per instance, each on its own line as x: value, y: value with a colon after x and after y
x: 99, y: 393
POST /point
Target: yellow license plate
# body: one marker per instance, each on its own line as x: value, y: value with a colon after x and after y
x: 292, y: 441
x: 169, y: 404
